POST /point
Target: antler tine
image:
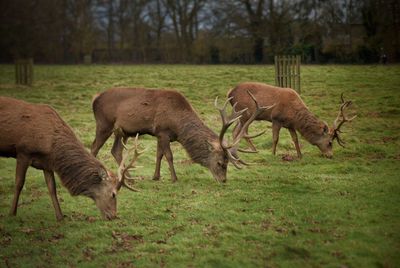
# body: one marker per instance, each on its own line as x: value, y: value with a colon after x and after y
x: 122, y: 169
x: 259, y: 110
x: 227, y: 121
x: 236, y: 161
x: 247, y: 151
x: 340, y: 120
x: 254, y: 135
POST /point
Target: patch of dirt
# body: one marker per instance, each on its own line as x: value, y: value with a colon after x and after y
x: 270, y: 210
x: 210, y: 230
x: 281, y: 230
x: 316, y: 230
x: 77, y: 216
x: 389, y: 139
x: 265, y: 225
x: 5, y: 240
x: 174, y: 231
x: 88, y: 253
x: 56, y: 238
x: 90, y: 219
x: 27, y: 230
x: 126, y: 264
x: 373, y: 114
x: 186, y: 162
x: 301, y: 252
x: 338, y: 254
x: 124, y: 241
x: 288, y: 158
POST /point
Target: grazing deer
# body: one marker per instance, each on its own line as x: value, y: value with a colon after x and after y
x: 36, y: 136
x: 167, y: 115
x: 289, y: 112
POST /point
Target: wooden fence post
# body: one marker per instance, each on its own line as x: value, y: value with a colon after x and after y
x: 24, y: 72
x: 287, y: 72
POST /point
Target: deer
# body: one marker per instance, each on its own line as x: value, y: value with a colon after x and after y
x: 36, y: 136
x: 167, y: 115
x: 289, y: 112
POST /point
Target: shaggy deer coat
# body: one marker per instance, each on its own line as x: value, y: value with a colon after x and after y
x: 36, y: 136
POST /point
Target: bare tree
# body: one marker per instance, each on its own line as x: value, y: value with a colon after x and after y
x: 184, y: 17
x: 256, y: 23
x: 157, y: 14
x: 231, y: 31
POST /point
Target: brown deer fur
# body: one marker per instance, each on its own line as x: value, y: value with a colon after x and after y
x: 289, y: 112
x: 36, y: 136
x: 165, y: 114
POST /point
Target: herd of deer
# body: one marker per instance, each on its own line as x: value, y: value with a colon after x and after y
x: 36, y: 136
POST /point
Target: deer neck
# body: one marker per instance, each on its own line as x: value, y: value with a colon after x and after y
x: 308, y: 125
x: 76, y: 167
x: 195, y: 137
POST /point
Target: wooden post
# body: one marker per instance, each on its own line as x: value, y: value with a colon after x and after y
x: 24, y: 72
x: 298, y: 61
x: 287, y: 72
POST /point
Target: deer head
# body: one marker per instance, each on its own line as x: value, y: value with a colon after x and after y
x: 105, y: 194
x: 229, y: 150
x: 329, y: 135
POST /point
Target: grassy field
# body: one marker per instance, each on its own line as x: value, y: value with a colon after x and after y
x: 316, y: 212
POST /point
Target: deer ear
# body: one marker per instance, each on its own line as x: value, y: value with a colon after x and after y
x: 326, y: 129
x: 103, y: 174
x: 212, y: 146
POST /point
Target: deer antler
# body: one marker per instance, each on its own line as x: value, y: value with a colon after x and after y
x: 227, y: 121
x: 122, y: 169
x: 340, y: 120
x: 259, y: 110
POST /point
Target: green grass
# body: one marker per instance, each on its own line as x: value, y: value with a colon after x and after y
x: 340, y: 212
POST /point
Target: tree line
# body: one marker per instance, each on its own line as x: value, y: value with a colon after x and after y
x: 199, y: 31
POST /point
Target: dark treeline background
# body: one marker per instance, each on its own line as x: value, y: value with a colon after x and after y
x: 199, y: 31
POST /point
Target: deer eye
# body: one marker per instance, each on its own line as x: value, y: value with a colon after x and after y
x: 113, y: 195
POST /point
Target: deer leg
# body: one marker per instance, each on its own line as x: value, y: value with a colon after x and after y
x: 296, y: 141
x: 51, y: 185
x: 22, y: 167
x: 159, y: 156
x: 102, y: 134
x: 117, y: 148
x: 275, y: 136
x: 164, y: 140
